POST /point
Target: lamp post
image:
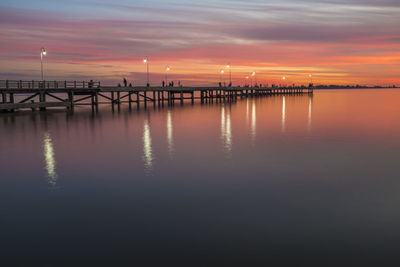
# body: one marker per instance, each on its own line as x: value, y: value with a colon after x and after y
x: 230, y: 74
x: 146, y: 61
x: 42, y: 53
x: 311, y: 79
x: 284, y: 80
x: 247, y: 80
x: 167, y: 69
x: 253, y: 74
x: 220, y: 76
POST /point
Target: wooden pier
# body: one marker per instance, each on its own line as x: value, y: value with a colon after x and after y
x: 47, y: 94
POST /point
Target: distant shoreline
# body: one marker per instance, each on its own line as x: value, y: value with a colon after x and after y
x: 351, y: 88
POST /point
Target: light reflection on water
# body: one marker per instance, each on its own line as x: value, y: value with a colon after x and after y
x: 280, y: 175
x: 253, y: 121
x: 283, y: 114
x: 309, y: 113
x: 50, y: 162
x: 226, y: 130
x: 147, y: 149
x: 170, y: 138
x: 247, y: 111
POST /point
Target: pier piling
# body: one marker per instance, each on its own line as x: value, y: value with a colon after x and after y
x: 34, y: 94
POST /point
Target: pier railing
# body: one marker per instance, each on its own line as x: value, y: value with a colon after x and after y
x: 13, y: 84
x: 45, y: 94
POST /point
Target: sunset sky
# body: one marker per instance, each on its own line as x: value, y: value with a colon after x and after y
x: 338, y: 41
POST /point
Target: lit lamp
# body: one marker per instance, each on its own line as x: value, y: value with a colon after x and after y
x: 220, y: 76
x: 167, y: 69
x: 42, y: 53
x: 253, y: 74
x: 230, y: 73
x: 146, y: 61
x: 284, y: 80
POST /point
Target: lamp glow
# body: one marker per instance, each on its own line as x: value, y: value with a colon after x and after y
x: 228, y: 66
x: 221, y: 72
x: 253, y: 74
x: 146, y: 61
x: 42, y: 53
x: 167, y: 69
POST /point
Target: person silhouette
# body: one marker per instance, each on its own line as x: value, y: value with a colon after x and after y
x: 125, y: 82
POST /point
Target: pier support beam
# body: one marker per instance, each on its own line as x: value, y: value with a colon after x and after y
x: 137, y: 100
x: 71, y: 98
x: 171, y: 96
x: 96, y: 99
x: 181, y: 97
x: 206, y: 94
x: 93, y: 105
x: 42, y: 98
x: 12, y: 100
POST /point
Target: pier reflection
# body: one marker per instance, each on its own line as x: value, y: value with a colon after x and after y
x: 170, y: 138
x: 50, y: 162
x: 283, y: 114
x: 226, y: 130
x: 147, y: 149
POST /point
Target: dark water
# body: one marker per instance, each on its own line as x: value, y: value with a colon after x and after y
x: 278, y: 181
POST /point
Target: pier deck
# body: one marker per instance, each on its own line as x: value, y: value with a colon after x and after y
x: 45, y: 94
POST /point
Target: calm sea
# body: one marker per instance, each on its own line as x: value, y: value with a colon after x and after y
x: 273, y: 181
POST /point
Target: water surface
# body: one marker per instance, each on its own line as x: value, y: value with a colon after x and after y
x: 282, y: 180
